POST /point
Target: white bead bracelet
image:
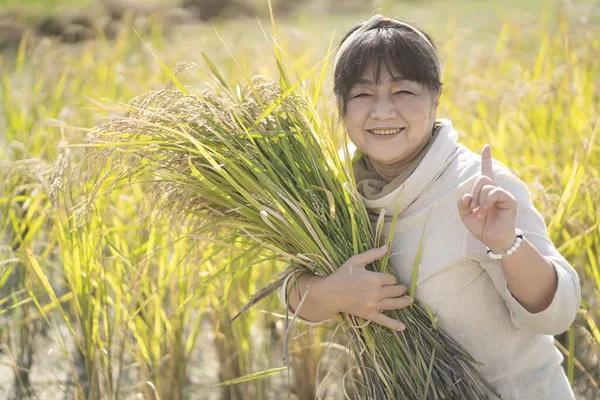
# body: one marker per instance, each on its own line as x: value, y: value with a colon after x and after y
x: 512, y: 249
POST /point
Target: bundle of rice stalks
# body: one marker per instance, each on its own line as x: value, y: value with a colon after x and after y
x: 257, y: 161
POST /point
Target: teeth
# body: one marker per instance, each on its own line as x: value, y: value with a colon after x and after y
x: 385, y: 131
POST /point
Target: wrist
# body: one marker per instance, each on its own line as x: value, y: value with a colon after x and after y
x: 503, y: 250
x: 322, y: 289
x: 318, y: 304
x: 503, y: 246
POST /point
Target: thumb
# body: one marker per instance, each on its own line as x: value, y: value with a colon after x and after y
x: 369, y: 256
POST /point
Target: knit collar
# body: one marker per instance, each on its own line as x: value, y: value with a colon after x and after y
x: 377, y: 194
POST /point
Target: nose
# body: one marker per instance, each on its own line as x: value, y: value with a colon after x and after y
x: 383, y: 109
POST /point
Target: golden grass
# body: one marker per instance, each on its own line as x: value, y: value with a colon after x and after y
x: 134, y: 295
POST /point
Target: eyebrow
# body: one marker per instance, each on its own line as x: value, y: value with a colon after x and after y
x: 394, y: 79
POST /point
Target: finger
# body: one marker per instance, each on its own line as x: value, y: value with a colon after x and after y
x: 363, y: 259
x: 479, y: 183
x: 499, y: 198
x: 483, y: 195
x: 391, y: 323
x: 384, y: 279
x: 392, y: 291
x: 486, y: 162
x: 394, y: 303
x: 464, y: 205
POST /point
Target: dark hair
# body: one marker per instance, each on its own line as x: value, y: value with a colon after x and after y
x: 401, y: 47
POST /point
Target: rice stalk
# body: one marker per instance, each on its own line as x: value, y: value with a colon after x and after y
x: 260, y: 160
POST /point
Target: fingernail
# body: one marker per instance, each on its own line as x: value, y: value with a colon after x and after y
x: 383, y: 247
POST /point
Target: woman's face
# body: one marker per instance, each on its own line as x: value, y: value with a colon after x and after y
x: 392, y: 120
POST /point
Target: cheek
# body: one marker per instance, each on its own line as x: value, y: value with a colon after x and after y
x: 355, y: 116
x: 416, y: 111
x: 412, y: 106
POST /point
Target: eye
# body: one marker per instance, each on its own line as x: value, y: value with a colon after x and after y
x: 360, y: 95
x: 403, y: 92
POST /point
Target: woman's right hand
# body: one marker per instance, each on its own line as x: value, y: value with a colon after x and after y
x: 353, y: 289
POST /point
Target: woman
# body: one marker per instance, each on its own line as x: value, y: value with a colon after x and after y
x: 499, y: 291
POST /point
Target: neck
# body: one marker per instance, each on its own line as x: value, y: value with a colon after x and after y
x: 388, y: 172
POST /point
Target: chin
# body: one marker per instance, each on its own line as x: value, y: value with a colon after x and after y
x: 385, y: 158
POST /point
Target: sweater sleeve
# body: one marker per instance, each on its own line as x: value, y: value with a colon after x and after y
x: 562, y: 311
x: 283, y: 298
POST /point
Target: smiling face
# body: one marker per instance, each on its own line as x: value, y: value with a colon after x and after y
x: 389, y: 119
x: 387, y: 84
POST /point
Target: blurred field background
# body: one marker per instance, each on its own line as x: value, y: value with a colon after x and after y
x: 121, y: 304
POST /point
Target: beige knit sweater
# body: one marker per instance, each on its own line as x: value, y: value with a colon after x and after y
x: 462, y: 285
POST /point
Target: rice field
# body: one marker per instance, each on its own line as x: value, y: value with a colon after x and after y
x: 109, y: 299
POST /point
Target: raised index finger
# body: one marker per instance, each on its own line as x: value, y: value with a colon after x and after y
x: 486, y: 162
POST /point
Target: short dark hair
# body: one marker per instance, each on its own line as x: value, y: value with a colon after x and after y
x: 401, y: 47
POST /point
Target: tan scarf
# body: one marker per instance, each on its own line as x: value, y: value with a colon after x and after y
x: 371, y: 185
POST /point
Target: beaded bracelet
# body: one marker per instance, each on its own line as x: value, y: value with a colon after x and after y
x: 512, y: 249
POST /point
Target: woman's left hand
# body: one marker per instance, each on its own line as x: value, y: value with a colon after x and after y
x: 489, y: 211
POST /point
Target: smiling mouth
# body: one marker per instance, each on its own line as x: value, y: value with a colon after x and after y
x: 385, y: 132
